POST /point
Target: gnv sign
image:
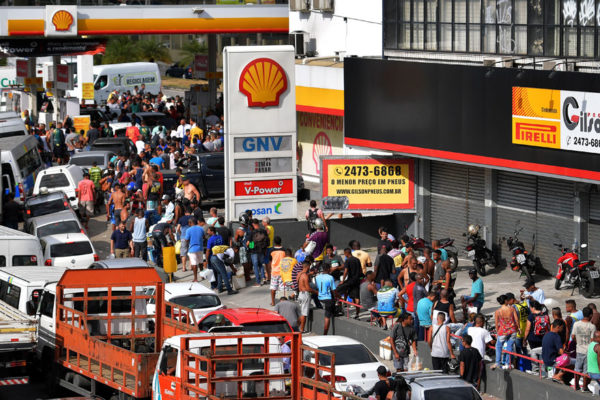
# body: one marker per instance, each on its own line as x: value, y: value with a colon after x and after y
x: 262, y: 143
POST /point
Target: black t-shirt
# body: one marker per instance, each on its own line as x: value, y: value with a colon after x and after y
x: 354, y: 268
x: 381, y: 389
x: 92, y: 135
x: 472, y: 360
x: 384, y: 243
x: 225, y: 233
x: 385, y: 268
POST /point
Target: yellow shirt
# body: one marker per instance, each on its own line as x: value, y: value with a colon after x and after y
x: 271, y: 233
x: 196, y: 131
x: 522, y: 314
x: 286, y: 267
x: 364, y: 258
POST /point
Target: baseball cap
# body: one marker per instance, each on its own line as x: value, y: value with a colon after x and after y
x: 472, y: 271
x: 166, y: 197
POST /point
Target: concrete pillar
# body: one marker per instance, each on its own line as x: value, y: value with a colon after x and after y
x: 33, y: 103
x: 581, y: 217
x: 490, y: 229
x: 423, y: 208
x: 85, y: 72
x: 212, y: 67
x: 58, y: 94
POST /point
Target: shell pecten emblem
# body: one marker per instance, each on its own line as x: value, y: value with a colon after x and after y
x: 263, y: 81
x: 62, y: 20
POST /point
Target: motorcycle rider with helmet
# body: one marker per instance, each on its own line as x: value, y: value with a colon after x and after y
x: 315, y: 243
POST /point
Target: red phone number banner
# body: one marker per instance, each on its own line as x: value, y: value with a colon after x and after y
x: 264, y: 188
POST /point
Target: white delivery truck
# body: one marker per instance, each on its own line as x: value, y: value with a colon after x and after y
x: 124, y: 77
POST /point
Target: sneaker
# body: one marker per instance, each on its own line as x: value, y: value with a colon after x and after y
x: 585, y: 390
x: 232, y: 292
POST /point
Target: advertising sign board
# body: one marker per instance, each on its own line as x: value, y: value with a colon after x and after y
x: 87, y: 92
x: 81, y: 122
x: 200, y: 66
x: 260, y: 130
x: 22, y: 69
x: 363, y: 184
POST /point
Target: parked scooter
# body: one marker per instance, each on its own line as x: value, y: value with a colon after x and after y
x: 477, y: 250
x: 447, y: 244
x: 578, y: 274
x: 522, y: 260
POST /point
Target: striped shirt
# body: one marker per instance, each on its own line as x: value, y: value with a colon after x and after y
x: 295, y: 271
x: 95, y: 176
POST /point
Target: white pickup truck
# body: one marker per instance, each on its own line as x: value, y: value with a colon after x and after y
x: 17, y: 342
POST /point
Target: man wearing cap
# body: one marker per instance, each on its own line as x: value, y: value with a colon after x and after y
x: 169, y: 208
x: 477, y: 296
x: 532, y: 293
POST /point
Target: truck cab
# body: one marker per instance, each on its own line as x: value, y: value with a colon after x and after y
x: 167, y: 383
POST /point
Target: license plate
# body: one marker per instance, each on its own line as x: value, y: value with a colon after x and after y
x: 521, y: 258
x: 594, y: 274
x: 471, y: 253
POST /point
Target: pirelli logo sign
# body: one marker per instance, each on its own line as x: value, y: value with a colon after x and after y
x: 536, y: 133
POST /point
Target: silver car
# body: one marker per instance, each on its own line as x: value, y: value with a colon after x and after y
x: 85, y: 159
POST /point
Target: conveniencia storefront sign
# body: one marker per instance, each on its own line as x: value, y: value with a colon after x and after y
x: 557, y: 119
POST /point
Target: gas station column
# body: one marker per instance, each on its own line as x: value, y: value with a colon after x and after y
x: 85, y: 72
x: 212, y: 66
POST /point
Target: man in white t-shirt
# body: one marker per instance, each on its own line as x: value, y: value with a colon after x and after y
x: 180, y: 132
x: 481, y: 336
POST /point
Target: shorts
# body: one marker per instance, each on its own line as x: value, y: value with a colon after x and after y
x: 328, y: 307
x: 581, y: 363
x: 243, y: 253
x: 277, y: 283
x: 196, y: 258
x: 595, y: 377
x: 183, y: 250
x: 117, y: 216
x: 59, y: 151
x: 86, y: 208
x: 401, y: 363
x: 304, y: 300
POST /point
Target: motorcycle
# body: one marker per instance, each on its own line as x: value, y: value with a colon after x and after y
x: 419, y: 244
x: 522, y: 260
x: 579, y: 274
x: 477, y: 250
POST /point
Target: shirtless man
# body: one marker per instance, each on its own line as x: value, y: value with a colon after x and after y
x: 305, y: 292
x: 429, y: 264
x: 410, y: 255
x: 189, y: 190
x: 404, y: 275
x: 118, y: 199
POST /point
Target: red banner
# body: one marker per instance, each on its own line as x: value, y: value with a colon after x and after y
x: 62, y: 73
x: 22, y: 68
x: 264, y: 188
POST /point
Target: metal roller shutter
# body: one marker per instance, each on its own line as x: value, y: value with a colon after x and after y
x: 457, y: 200
x: 541, y: 206
x: 516, y: 205
x: 594, y: 226
x: 554, y: 219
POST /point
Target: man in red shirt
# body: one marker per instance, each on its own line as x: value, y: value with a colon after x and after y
x: 133, y: 133
x: 86, y: 194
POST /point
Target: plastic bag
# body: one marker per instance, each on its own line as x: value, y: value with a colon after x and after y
x: 178, y: 247
x: 416, y: 364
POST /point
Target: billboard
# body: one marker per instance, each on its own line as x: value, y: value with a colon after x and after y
x: 260, y: 130
x: 319, y: 135
x: 364, y: 184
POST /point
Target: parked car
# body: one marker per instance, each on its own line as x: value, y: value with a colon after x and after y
x: 53, y: 224
x: 249, y: 319
x: 354, y: 362
x: 68, y: 250
x: 85, y: 159
x: 115, y: 144
x: 19, y: 249
x: 426, y: 385
x: 178, y: 71
x: 44, y: 204
x: 63, y: 178
x: 191, y: 295
x: 131, y: 262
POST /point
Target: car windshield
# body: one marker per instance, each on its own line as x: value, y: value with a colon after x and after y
x: 267, y: 327
x: 451, y: 393
x: 108, y: 145
x: 58, y: 227
x: 87, y: 160
x: 47, y: 207
x: 70, y: 249
x: 196, y: 301
x: 54, y: 180
x: 348, y: 354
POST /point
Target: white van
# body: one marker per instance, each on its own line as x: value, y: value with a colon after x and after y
x: 20, y: 164
x: 11, y: 124
x: 62, y: 178
x: 124, y: 77
x: 22, y: 285
x: 19, y: 249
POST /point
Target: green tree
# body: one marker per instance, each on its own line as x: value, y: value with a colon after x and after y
x: 121, y: 49
x: 190, y: 49
x: 153, y: 50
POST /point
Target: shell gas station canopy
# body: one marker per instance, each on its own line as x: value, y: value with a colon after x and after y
x: 76, y: 21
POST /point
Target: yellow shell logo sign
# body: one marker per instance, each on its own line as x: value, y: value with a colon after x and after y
x: 62, y: 20
x: 263, y: 81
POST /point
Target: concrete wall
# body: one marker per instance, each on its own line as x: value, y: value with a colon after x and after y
x: 341, y: 231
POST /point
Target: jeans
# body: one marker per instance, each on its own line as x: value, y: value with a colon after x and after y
x: 510, y: 342
x: 259, y: 268
x: 221, y: 273
x: 140, y: 249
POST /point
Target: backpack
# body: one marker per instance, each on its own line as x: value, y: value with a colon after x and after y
x: 312, y: 216
x: 401, y: 341
x: 541, y: 324
x: 260, y: 239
